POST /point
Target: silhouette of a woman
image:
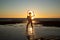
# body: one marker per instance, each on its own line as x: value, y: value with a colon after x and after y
x: 29, y: 18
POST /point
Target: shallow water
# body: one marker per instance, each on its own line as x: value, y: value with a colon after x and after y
x: 18, y: 31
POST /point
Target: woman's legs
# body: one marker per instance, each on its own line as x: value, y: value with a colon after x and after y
x: 27, y: 26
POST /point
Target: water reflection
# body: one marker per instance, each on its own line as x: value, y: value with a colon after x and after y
x: 34, y: 21
x: 30, y: 33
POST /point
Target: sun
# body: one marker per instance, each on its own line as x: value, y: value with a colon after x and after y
x: 32, y: 18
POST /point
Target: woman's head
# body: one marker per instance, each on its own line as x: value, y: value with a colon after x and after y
x: 30, y: 13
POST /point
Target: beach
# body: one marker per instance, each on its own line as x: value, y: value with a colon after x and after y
x: 18, y: 32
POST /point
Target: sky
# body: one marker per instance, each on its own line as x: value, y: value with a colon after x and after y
x: 19, y: 8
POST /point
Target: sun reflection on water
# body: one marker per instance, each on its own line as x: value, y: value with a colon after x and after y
x: 30, y: 30
x: 30, y: 33
x: 33, y: 21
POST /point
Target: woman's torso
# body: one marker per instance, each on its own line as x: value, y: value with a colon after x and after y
x: 29, y: 18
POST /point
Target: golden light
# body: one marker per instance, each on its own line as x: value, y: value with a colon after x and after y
x: 32, y: 18
x: 33, y: 21
x: 31, y: 14
x: 30, y: 31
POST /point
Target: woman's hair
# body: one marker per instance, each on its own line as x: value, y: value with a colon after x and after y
x: 29, y: 12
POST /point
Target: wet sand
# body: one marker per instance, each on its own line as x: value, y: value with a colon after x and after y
x: 18, y: 32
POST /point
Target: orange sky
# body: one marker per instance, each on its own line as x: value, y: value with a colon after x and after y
x: 19, y: 8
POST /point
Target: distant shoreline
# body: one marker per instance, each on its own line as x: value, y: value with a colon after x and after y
x: 43, y: 21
